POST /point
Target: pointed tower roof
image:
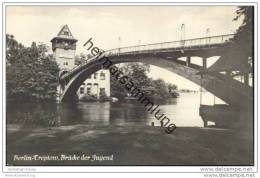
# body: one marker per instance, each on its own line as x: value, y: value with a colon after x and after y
x: 65, y: 33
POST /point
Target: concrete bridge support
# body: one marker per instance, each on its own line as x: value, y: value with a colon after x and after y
x: 246, y: 79
x: 188, y: 61
x: 204, y: 62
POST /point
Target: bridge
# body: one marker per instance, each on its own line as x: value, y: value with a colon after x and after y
x: 167, y: 55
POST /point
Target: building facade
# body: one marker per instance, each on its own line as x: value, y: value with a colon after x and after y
x: 64, y: 48
x: 97, y: 85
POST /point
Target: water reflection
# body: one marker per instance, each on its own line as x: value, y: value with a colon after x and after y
x: 183, y: 111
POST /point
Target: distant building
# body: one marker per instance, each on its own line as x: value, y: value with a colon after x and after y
x: 98, y: 84
x: 64, y: 48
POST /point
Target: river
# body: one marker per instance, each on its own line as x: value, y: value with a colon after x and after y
x: 183, y: 111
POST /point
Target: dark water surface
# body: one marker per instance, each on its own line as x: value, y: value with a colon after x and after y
x: 183, y: 111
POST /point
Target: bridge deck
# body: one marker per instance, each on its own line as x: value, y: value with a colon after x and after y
x: 173, y: 46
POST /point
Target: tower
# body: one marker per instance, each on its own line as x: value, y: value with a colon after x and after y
x: 64, y: 47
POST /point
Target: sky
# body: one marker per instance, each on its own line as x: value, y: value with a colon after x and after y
x: 133, y: 24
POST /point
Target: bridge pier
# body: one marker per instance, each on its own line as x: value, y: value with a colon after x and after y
x: 188, y: 61
x: 205, y: 122
x: 204, y: 62
x: 221, y: 114
x: 246, y: 79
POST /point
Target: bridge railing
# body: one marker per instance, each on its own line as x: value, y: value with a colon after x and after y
x: 173, y: 44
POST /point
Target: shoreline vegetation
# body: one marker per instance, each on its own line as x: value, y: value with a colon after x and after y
x: 31, y: 73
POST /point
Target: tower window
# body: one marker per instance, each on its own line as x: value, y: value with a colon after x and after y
x: 95, y: 75
x: 102, y: 76
x: 65, y: 63
x: 66, y: 33
x: 88, y: 90
x: 81, y: 90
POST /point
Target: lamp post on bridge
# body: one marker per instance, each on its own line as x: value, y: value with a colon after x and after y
x: 119, y: 44
x: 183, y: 34
x: 208, y: 35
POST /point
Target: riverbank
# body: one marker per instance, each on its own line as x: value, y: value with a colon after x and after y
x: 127, y: 145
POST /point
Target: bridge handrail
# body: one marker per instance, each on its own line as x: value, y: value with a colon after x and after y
x: 173, y: 44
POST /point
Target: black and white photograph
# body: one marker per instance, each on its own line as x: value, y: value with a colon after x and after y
x: 129, y: 85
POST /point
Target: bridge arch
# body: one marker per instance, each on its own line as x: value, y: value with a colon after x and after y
x: 231, y: 95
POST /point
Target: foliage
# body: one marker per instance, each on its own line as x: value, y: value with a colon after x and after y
x: 31, y: 74
x: 12, y: 48
x: 116, y: 88
x: 79, y: 59
x: 138, y: 73
x: 160, y: 89
x: 244, y: 33
x: 243, y: 40
x: 172, y: 87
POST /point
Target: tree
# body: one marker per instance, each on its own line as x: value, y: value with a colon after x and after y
x: 161, y: 89
x: 116, y: 88
x: 244, y: 35
x: 12, y: 48
x: 82, y: 58
x: 171, y: 87
x: 31, y: 74
x: 243, y: 39
x: 79, y: 59
x: 138, y: 72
